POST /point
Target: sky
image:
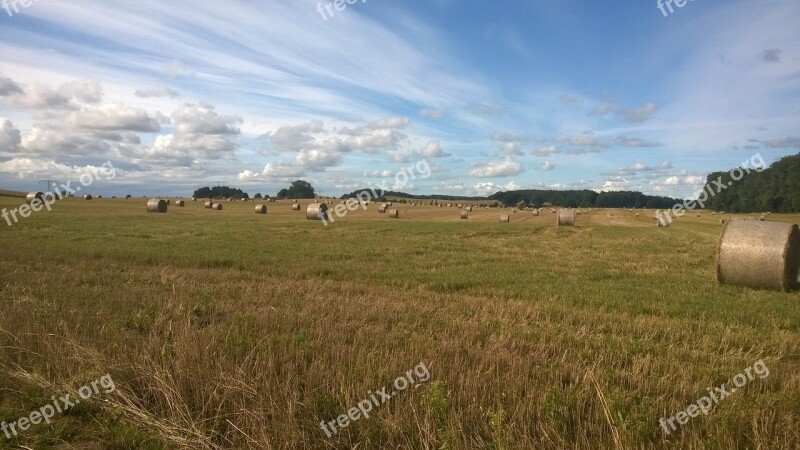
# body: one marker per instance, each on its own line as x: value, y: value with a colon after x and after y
x: 511, y: 94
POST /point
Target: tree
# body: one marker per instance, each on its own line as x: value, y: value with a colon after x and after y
x: 298, y: 190
x: 258, y: 195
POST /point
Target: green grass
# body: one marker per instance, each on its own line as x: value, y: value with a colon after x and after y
x: 227, y: 329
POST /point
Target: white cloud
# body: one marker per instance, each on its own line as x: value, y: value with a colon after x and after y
x: 547, y: 166
x: 157, y: 91
x: 504, y: 168
x: 433, y: 149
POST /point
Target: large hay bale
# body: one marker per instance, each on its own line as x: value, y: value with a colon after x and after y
x: 194, y: 199
x: 383, y: 207
x: 87, y: 197
x: 156, y: 205
x: 168, y: 202
x: 34, y: 196
x: 394, y: 213
x: 296, y: 207
x: 464, y: 215
x: 565, y: 218
x: 468, y: 208
x: 760, y: 255
x: 535, y: 213
x: 663, y: 220
x: 389, y: 203
x: 179, y: 203
x: 261, y: 209
x: 208, y: 205
x: 505, y: 218
x: 217, y: 207
x: 763, y: 218
x: 317, y: 211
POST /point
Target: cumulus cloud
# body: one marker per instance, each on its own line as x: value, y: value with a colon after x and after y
x: 547, y: 166
x: 389, y: 123
x: 504, y: 168
x: 157, y: 91
x: 8, y: 87
x: 770, y: 55
x: 295, y: 137
x: 433, y: 149
x: 546, y: 151
x: 609, y: 106
x: 10, y: 137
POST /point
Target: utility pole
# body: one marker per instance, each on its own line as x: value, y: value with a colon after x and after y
x: 51, y: 184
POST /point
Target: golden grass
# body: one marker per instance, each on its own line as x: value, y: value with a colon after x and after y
x: 246, y: 332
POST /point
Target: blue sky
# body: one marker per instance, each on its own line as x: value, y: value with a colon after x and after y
x: 493, y: 95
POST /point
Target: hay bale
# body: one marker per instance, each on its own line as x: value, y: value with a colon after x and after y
x: 449, y: 205
x: 535, y: 213
x: 760, y: 255
x: 168, y: 202
x: 389, y: 203
x: 662, y: 221
x: 179, y: 203
x: 156, y: 205
x: 296, y: 207
x: 514, y: 210
x: 637, y: 214
x: 468, y: 208
x: 217, y: 207
x: 763, y: 218
x: 208, y: 205
x: 34, y: 196
x: 565, y: 218
x: 317, y: 211
x: 383, y: 207
x: 505, y: 218
x: 464, y: 215
x: 87, y: 197
x: 194, y: 199
x: 394, y: 213
x: 261, y: 209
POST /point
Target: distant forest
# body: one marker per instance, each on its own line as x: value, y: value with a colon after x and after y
x: 537, y: 198
x: 775, y: 189
x: 220, y: 192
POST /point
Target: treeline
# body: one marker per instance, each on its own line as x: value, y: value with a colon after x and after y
x: 585, y: 199
x: 775, y: 189
x: 378, y: 194
x: 220, y: 192
x: 538, y: 198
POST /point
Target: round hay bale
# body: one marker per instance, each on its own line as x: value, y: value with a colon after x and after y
x: 637, y: 214
x: 194, y: 199
x: 383, y: 207
x: 99, y: 196
x: 449, y: 205
x: 217, y: 207
x: 389, y: 203
x: 87, y: 197
x: 317, y: 211
x: 261, y: 209
x: 536, y: 213
x: 394, y: 213
x: 469, y: 208
x: 294, y: 201
x: 514, y: 210
x: 505, y: 218
x: 763, y: 218
x: 296, y: 207
x: 34, y: 196
x: 179, y: 203
x: 156, y: 205
x: 464, y: 215
x: 662, y: 221
x: 208, y: 205
x: 168, y: 202
x: 565, y: 218
x: 759, y: 255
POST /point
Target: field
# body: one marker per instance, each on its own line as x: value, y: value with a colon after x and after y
x: 227, y: 329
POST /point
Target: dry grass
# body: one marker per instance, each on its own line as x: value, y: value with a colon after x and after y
x: 223, y: 339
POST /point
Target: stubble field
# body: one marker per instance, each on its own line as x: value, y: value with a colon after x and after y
x: 227, y: 329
